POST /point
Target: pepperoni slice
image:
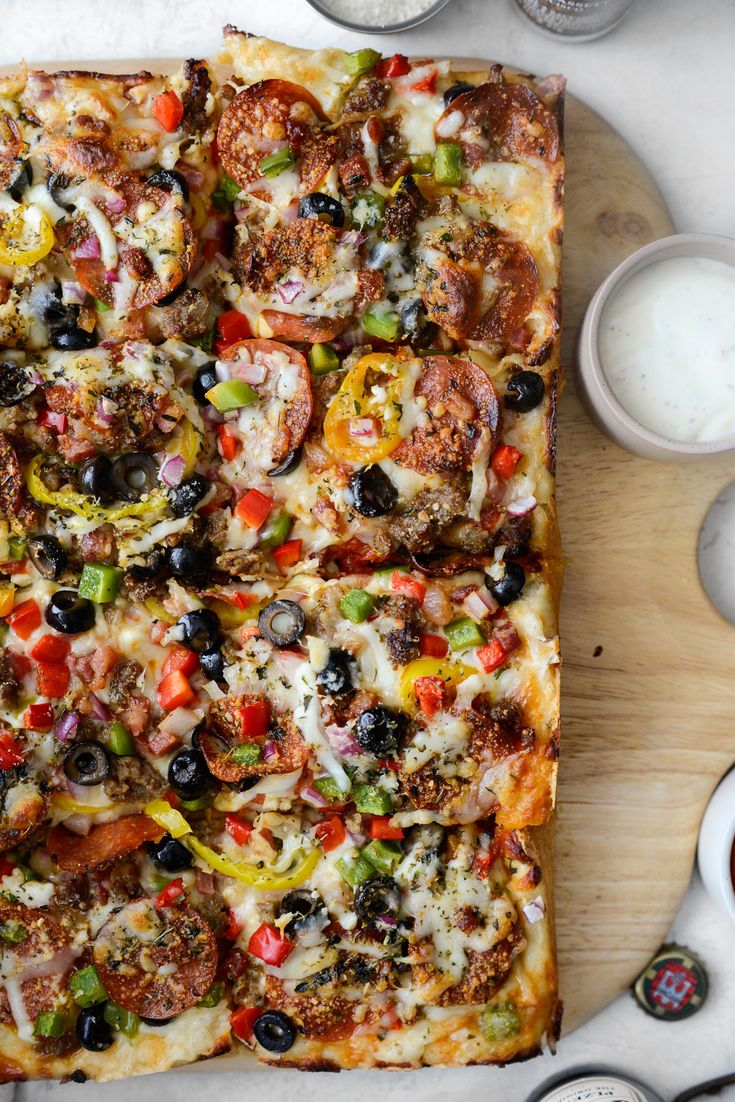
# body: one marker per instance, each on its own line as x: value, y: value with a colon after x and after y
x: 36, y: 940
x: 11, y: 145
x: 476, y: 282
x: 460, y: 402
x: 156, y: 246
x: 22, y: 810
x: 156, y: 963
x: 268, y: 116
x: 104, y: 843
x: 287, y: 402
x: 286, y: 749
x: 301, y: 327
x: 513, y: 123
x: 320, y: 1017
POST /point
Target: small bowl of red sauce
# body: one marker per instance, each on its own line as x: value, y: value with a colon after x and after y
x: 716, y: 847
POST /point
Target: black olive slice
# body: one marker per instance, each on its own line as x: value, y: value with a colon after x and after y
x: 323, y: 207
x: 87, y: 763
x: 204, y: 380
x: 48, y: 556
x: 283, y: 622
x: 457, y: 89
x: 23, y: 179
x: 378, y: 896
x: 289, y: 464
x: 16, y: 383
x: 133, y: 475
x: 508, y: 588
x: 373, y: 492
x: 184, y: 498
x: 73, y: 340
x: 172, y: 295
x: 185, y: 561
x: 336, y: 677
x: 304, y: 905
x: 274, y: 1031
x: 525, y: 391
x: 200, y: 629
x: 170, y: 854
x: 93, y: 1032
x: 95, y: 478
x: 378, y: 729
x: 69, y: 613
x: 150, y: 569
x: 212, y: 664
x: 168, y: 179
x: 188, y: 774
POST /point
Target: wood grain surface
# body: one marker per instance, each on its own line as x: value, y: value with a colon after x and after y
x: 649, y: 666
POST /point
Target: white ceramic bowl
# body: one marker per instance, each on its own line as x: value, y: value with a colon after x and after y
x: 594, y: 391
x: 715, y: 846
x: 432, y: 9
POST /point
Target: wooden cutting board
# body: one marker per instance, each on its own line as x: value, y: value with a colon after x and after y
x: 649, y: 666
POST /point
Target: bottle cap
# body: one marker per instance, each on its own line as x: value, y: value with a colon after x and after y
x: 673, y: 986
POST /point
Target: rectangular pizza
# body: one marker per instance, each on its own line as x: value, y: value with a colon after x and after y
x: 279, y: 563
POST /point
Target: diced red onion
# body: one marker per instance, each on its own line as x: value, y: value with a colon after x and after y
x: 288, y: 214
x: 505, y: 633
x: 67, y: 725
x: 535, y: 910
x: 254, y: 373
x: 36, y: 376
x: 342, y: 741
x: 72, y: 293
x: 310, y: 795
x: 78, y: 824
x: 108, y: 344
x: 56, y: 421
x: 100, y: 710
x: 352, y: 237
x: 89, y: 248
x: 112, y: 275
x: 449, y: 126
x: 480, y: 604
x: 521, y: 506
x: 172, y: 470
x: 290, y: 290
x: 223, y: 262
x: 222, y: 371
x: 114, y: 202
x: 269, y: 751
x: 204, y: 882
x: 362, y: 427
x: 106, y: 411
x: 387, y: 920
x: 193, y: 176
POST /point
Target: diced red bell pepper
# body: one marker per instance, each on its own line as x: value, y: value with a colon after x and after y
x: 269, y: 945
x: 428, y: 84
x: 407, y: 585
x: 180, y: 658
x: 10, y: 750
x: 162, y: 742
x: 52, y: 679
x: 242, y: 1021
x: 172, y: 895
x: 238, y: 829
x: 254, y: 509
x: 250, y: 631
x: 433, y: 646
x: 168, y: 110
x: 396, y: 66
x: 15, y: 566
x: 255, y: 719
x: 381, y: 827
x: 237, y: 598
x: 287, y: 554
x: 233, y: 927
x: 431, y: 694
x: 6, y: 866
x: 24, y: 619
x: 50, y: 648
x: 491, y: 656
x: 331, y: 833
x: 38, y: 717
x: 174, y: 691
x: 232, y: 327
x: 228, y: 442
x: 56, y: 422
x: 505, y: 460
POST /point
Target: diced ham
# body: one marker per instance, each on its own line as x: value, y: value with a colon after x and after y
x: 162, y: 742
x: 136, y: 714
x: 75, y: 450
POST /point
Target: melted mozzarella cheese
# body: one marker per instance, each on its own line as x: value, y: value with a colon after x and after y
x: 102, y: 228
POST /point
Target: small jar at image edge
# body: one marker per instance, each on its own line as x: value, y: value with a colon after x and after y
x: 578, y: 20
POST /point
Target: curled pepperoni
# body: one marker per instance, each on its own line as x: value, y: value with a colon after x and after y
x: 511, y: 121
x: 22, y: 810
x: 104, y: 843
x: 286, y: 750
x: 11, y: 145
x: 266, y: 117
x: 476, y: 282
x: 289, y: 402
x: 460, y: 402
x: 156, y: 963
x: 301, y: 327
x: 36, y: 940
x: 448, y: 567
x: 320, y: 1017
x: 155, y: 242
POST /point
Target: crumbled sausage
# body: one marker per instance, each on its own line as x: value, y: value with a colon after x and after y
x: 123, y: 682
x: 421, y: 524
x: 131, y: 779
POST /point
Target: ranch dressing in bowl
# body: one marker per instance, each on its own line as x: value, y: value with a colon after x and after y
x: 666, y: 344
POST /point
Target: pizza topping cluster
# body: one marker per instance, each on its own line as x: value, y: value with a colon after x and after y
x: 277, y: 642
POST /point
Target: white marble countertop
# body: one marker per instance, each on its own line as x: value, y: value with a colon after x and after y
x: 666, y: 79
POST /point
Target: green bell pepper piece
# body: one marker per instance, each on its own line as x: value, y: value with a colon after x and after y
x: 371, y: 800
x: 225, y: 194
x: 323, y: 359
x: 356, y: 605
x: 100, y: 583
x: 448, y: 164
x: 499, y: 1022
x: 213, y: 997
x: 386, y: 326
x: 277, y: 531
x: 368, y: 209
x: 119, y: 740
x: 464, y: 633
x: 276, y: 163
x: 231, y: 394
x: 330, y: 790
x: 199, y: 803
x: 86, y: 987
x: 16, y: 548
x: 124, y: 1021
x: 361, y: 61
x: 247, y: 753
x: 13, y: 932
x: 384, y: 856
x: 50, y: 1023
x: 423, y: 165
x: 354, y: 869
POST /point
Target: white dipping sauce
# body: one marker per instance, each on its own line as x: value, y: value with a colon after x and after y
x: 667, y: 346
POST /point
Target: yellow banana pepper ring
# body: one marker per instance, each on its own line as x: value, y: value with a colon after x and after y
x: 26, y: 236
x: 188, y: 446
x: 80, y: 504
x: 64, y: 802
x: 264, y: 879
x: 355, y: 401
x: 451, y: 673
